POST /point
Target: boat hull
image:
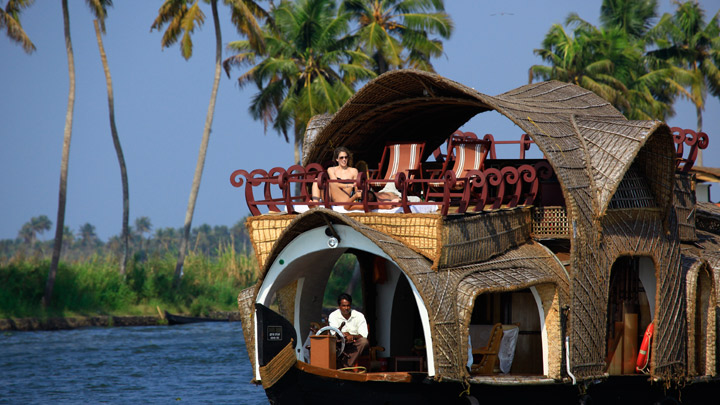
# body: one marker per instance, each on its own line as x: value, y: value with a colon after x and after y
x: 299, y: 386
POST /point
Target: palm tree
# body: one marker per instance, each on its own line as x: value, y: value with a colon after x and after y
x: 183, y: 16
x: 26, y: 234
x: 88, y: 237
x: 608, y: 61
x: 308, y: 67
x: 10, y: 20
x: 586, y: 57
x: 62, y: 195
x: 692, y: 47
x: 634, y: 17
x: 397, y: 32
x: 142, y: 226
x: 68, y: 236
x: 99, y: 8
x: 651, y: 91
x: 40, y: 224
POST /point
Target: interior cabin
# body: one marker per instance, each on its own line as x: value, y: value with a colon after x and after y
x: 488, y: 267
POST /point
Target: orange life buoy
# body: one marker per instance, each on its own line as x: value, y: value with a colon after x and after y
x: 643, y: 356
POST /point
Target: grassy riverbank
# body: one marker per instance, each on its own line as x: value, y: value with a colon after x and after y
x: 94, y: 287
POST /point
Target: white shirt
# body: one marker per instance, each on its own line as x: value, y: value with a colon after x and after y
x: 355, y: 325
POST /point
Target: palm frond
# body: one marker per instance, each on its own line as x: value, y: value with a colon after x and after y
x: 10, y: 20
x: 194, y: 16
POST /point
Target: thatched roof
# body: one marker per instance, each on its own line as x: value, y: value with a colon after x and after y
x: 587, y: 141
x: 708, y: 174
x: 708, y: 217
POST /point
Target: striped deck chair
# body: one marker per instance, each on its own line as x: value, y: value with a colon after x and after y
x: 398, y: 157
x: 466, y: 153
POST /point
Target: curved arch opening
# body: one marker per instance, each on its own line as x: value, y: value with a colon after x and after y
x: 703, y: 322
x: 631, y: 309
x: 522, y: 316
x: 297, y: 281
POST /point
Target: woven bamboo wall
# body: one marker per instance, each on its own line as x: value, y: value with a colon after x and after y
x: 701, y: 338
x: 286, y: 301
x: 475, y: 238
x: 246, y: 305
x: 684, y: 204
x: 691, y: 291
x: 551, y: 305
x: 633, y: 192
x: 704, y: 252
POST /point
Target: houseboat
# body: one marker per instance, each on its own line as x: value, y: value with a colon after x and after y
x: 588, y: 275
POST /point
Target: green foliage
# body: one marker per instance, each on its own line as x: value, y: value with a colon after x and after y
x: 341, y: 280
x: 21, y: 287
x: 610, y: 60
x: 308, y: 67
x: 400, y: 34
x: 96, y: 287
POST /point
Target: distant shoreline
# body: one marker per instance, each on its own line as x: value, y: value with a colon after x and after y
x: 35, y: 324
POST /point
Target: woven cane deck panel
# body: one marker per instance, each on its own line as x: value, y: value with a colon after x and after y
x: 420, y: 232
x: 447, y: 243
x: 550, y: 222
x: 473, y: 238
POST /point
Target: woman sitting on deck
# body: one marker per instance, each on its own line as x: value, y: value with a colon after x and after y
x: 340, y: 192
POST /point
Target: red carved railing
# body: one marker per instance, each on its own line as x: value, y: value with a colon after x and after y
x: 694, y: 140
x: 524, y: 143
x: 479, y: 190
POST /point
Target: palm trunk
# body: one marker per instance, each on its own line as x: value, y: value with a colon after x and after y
x: 118, y: 150
x: 60, y: 225
x: 299, y: 137
x: 203, y: 150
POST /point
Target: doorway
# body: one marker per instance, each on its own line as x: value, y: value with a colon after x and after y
x: 513, y: 309
x: 631, y: 309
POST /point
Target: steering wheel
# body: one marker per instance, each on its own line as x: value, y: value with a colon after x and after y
x: 336, y: 331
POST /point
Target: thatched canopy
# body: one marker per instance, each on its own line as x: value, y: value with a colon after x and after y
x: 587, y: 141
x: 708, y: 174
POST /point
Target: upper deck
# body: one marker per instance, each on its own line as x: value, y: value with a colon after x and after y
x: 447, y: 187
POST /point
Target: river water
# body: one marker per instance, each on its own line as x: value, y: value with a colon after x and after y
x: 194, y: 363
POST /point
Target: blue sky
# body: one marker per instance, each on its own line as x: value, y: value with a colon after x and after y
x: 161, y: 101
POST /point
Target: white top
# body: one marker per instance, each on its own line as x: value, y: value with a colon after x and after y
x: 355, y: 325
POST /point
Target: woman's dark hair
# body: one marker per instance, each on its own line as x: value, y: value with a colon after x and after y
x: 344, y: 296
x: 340, y: 149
